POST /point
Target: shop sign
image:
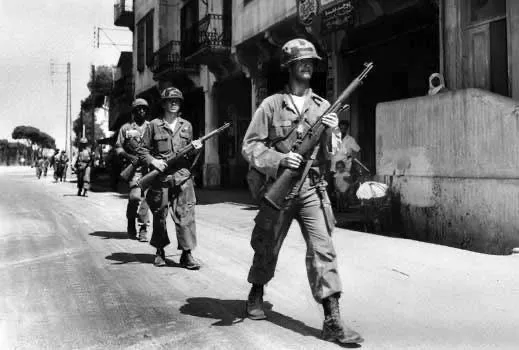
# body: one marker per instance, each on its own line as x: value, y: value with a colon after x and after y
x: 307, y: 10
x: 337, y: 16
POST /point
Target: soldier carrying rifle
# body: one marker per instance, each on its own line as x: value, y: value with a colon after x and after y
x: 173, y: 188
x: 130, y: 136
x: 293, y: 112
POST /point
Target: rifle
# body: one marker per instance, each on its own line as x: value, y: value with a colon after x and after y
x: 147, y: 179
x: 127, y: 172
x: 282, y: 189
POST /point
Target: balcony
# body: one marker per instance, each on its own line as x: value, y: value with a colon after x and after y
x: 209, y: 41
x: 123, y: 13
x: 168, y: 61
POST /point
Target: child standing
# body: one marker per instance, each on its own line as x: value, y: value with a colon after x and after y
x: 342, y: 183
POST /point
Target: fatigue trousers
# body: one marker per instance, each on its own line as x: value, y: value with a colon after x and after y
x: 321, y: 260
x: 180, y: 200
x: 137, y: 207
x: 83, y: 178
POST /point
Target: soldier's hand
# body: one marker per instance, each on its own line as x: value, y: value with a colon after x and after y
x: 197, y: 144
x: 159, y: 164
x: 292, y: 160
x: 331, y: 120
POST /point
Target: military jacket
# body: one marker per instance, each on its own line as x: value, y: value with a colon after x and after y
x: 274, y: 119
x: 160, y: 142
x: 130, y: 132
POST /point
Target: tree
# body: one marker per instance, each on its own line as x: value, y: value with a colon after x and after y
x: 33, y: 137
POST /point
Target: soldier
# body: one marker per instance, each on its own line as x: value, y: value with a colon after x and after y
x: 46, y: 164
x: 162, y: 138
x: 83, y: 167
x: 130, y: 136
x: 39, y: 167
x: 63, y: 161
x: 296, y: 107
x: 55, y: 164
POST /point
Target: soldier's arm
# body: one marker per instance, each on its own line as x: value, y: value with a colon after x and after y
x: 143, y: 149
x: 254, y: 148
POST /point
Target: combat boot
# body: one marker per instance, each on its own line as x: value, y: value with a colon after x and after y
x: 85, y: 192
x: 333, y: 328
x: 143, y: 234
x: 255, y: 303
x: 160, y: 258
x: 131, y: 230
x: 187, y: 261
x: 78, y: 191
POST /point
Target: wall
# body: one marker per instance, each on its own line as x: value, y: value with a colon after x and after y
x: 455, y: 157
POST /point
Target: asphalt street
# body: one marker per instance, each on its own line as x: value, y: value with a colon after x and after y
x: 70, y: 279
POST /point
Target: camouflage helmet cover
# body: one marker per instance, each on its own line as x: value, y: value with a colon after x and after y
x: 171, y: 92
x: 297, y: 49
x: 140, y: 102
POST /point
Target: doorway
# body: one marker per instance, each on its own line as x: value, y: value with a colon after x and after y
x: 404, y: 48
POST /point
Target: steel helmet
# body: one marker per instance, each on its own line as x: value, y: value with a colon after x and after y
x: 140, y: 102
x: 297, y: 49
x: 83, y: 140
x: 171, y: 92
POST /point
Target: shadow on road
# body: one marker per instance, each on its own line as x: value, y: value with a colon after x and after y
x: 231, y: 312
x: 110, y: 235
x: 125, y: 258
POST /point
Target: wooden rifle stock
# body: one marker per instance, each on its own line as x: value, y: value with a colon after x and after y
x: 281, y: 189
x: 147, y: 179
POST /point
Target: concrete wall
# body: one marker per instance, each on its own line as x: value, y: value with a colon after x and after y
x: 455, y: 157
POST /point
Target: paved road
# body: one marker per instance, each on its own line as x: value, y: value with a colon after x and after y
x: 71, y: 280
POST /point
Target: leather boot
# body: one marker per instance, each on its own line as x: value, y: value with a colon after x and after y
x: 188, y: 262
x: 160, y: 258
x: 333, y: 328
x: 143, y: 234
x: 255, y: 303
x: 132, y: 231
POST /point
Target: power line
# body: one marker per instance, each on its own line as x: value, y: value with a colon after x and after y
x: 111, y: 42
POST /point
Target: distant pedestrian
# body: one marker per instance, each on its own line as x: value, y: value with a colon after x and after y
x: 63, y: 165
x: 83, y: 166
x: 39, y: 167
x: 46, y: 164
x: 173, y: 189
x: 129, y: 138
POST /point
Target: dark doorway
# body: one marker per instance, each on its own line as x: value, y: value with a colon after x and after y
x: 404, y: 48
x: 234, y: 106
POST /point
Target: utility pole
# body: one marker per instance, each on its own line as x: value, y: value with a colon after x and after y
x: 62, y: 69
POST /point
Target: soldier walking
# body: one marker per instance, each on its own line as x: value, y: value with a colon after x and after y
x: 297, y: 107
x: 83, y: 166
x: 130, y: 136
x: 174, y: 188
x: 63, y: 166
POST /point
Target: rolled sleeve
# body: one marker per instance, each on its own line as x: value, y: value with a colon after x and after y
x: 255, y: 149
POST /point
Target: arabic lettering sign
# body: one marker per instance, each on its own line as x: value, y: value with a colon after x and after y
x: 338, y: 15
x: 306, y: 10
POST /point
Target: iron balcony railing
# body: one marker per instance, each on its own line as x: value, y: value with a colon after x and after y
x: 169, y: 57
x: 213, y: 32
x: 122, y: 8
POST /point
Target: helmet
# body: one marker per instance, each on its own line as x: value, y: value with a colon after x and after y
x: 83, y: 140
x: 140, y: 102
x: 297, y: 49
x: 171, y: 92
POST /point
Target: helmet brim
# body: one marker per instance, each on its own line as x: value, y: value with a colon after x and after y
x: 315, y: 57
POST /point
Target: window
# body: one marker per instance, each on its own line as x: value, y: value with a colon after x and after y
x: 140, y: 46
x: 145, y: 42
x: 483, y: 10
x: 149, y: 39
